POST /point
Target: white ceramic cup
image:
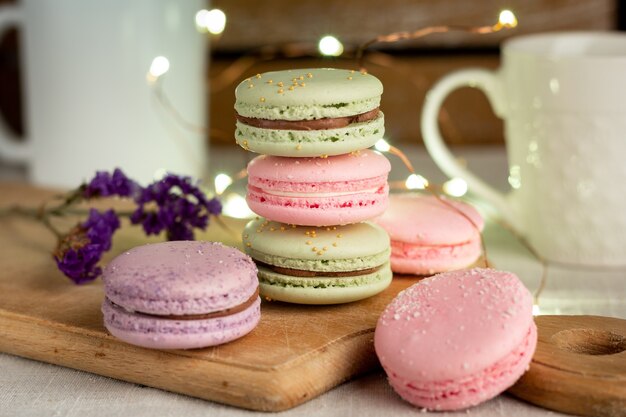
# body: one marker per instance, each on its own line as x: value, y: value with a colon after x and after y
x: 88, y: 104
x: 563, y: 100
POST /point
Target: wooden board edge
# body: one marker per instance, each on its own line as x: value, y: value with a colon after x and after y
x: 264, y: 389
x: 570, y: 392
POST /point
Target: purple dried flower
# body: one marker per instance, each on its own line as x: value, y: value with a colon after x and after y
x: 105, y: 184
x: 179, y: 231
x: 176, y: 205
x: 214, y: 206
x: 78, y: 253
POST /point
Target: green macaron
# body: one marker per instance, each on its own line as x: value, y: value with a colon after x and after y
x: 319, y: 265
x: 309, y: 112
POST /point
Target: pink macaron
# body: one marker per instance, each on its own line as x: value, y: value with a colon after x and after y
x: 457, y: 339
x: 429, y: 236
x: 327, y: 191
x: 181, y: 295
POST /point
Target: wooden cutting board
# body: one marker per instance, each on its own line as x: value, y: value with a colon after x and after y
x: 579, y: 366
x: 295, y: 353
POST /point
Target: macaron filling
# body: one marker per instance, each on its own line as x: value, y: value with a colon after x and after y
x: 313, y: 124
x: 416, y: 251
x: 211, y: 315
x: 345, y: 200
x: 310, y: 274
x: 306, y: 111
x: 354, y: 136
x: 316, y: 194
x: 270, y: 277
x: 288, y: 188
x: 157, y: 332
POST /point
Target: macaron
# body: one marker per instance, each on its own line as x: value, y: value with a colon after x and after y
x: 309, y: 112
x: 181, y: 295
x: 319, y: 191
x: 429, y: 235
x: 318, y: 265
x: 457, y: 339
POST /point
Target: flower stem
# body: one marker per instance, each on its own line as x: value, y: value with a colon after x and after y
x: 21, y: 211
x: 45, y: 220
x: 40, y: 214
x: 82, y: 212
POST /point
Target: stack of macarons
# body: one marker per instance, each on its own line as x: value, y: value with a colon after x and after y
x: 316, y: 184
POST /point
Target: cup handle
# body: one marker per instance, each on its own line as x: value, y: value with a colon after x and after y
x: 10, y: 148
x: 489, y: 83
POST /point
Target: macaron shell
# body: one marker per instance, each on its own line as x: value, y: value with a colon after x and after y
x: 315, y: 86
x: 308, y: 143
x: 379, y: 281
x: 349, y: 167
x: 425, y: 220
x: 458, y: 323
x: 454, y: 395
x: 184, y: 277
x: 320, y: 211
x: 297, y: 242
x: 427, y: 260
x: 165, y: 333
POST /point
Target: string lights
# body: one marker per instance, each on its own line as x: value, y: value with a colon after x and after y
x: 506, y: 20
x: 234, y: 205
x: 214, y: 21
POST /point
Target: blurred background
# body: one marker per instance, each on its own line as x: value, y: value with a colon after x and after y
x: 276, y: 34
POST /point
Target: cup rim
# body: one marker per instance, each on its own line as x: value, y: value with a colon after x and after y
x: 521, y: 45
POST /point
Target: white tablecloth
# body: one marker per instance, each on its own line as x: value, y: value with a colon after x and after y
x: 30, y: 388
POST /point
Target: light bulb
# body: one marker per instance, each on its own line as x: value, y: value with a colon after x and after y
x: 456, y: 187
x: 416, y: 182
x: 212, y: 21
x: 222, y: 182
x: 382, y: 145
x: 507, y: 19
x: 160, y: 65
x: 536, y: 310
x: 330, y: 46
x: 235, y: 206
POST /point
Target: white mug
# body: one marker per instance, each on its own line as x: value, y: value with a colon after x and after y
x: 563, y: 100
x: 89, y: 105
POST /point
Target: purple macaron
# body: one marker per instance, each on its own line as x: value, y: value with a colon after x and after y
x: 181, y: 295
